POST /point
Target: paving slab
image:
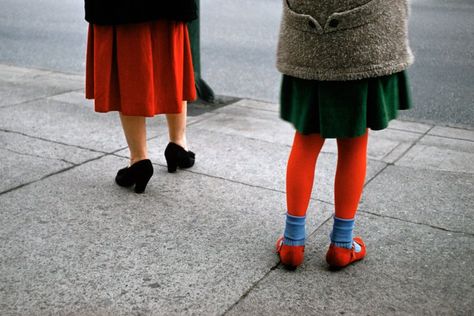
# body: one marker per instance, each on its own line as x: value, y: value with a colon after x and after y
x: 410, y: 269
x: 76, y: 243
x: 250, y: 123
x: 386, y: 146
x: 245, y: 119
x: 78, y: 98
x: 451, y: 132
x: 438, y: 198
x: 452, y: 152
x: 71, y: 124
x: 11, y: 73
x: 250, y: 161
x: 258, y: 105
x: 26, y: 159
x: 408, y: 126
x: 440, y: 153
x: 18, y: 85
x: 73, y: 97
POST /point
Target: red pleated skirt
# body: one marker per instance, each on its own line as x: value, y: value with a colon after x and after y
x: 140, y: 69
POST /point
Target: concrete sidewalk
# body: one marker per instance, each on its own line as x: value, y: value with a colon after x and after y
x: 202, y: 241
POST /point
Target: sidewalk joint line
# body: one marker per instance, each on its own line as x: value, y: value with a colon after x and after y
x: 413, y: 145
x: 231, y: 180
x: 407, y: 131
x: 40, y: 98
x: 249, y: 290
x: 256, y: 108
x: 37, y: 156
x: 376, y: 175
x: 53, y: 141
x: 391, y: 151
x: 417, y: 223
x: 200, y: 120
x: 321, y: 225
x: 453, y: 138
x: 52, y: 174
x: 104, y: 154
x: 246, y: 137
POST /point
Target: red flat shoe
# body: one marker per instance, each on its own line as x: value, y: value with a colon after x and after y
x: 339, y: 257
x: 290, y: 256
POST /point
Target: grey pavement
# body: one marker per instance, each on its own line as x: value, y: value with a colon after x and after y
x: 201, y: 241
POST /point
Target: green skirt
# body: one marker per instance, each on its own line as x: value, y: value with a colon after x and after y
x: 340, y: 109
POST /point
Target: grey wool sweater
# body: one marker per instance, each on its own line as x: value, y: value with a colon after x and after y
x: 343, y: 39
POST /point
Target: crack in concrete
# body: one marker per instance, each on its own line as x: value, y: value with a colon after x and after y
x: 51, y: 174
x: 37, y: 156
x: 398, y: 159
x: 39, y: 98
x: 413, y: 145
x: 53, y: 141
x: 418, y: 223
x: 273, y: 268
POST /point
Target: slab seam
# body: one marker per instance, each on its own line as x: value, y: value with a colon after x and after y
x: 254, y: 285
x: 412, y: 145
x: 405, y: 131
x: 453, y: 138
x: 255, y: 108
x: 40, y: 98
x: 418, y: 223
x: 242, y: 136
x: 202, y: 119
x: 54, y: 141
x: 37, y: 156
x: 52, y: 174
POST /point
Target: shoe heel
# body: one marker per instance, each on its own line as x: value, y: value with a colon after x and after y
x: 171, y: 158
x: 141, y: 184
x: 172, y: 166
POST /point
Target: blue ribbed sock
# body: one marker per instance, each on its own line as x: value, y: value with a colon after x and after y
x: 341, y: 235
x: 295, y: 232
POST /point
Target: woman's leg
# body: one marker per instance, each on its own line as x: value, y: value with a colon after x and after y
x: 349, y: 183
x: 134, y: 128
x: 177, y: 127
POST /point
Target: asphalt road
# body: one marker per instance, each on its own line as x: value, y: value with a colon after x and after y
x: 238, y: 49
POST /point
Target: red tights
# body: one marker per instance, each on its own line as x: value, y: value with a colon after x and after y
x: 350, y: 173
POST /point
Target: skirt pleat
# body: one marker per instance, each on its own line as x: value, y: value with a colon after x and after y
x: 140, y: 69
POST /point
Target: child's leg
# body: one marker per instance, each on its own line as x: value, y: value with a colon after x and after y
x: 300, y: 172
x: 299, y: 184
x: 350, y: 175
x: 349, y: 183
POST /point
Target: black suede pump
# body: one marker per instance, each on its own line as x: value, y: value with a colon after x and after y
x: 176, y: 156
x: 137, y: 174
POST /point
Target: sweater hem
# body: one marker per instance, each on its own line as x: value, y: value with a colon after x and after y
x: 350, y: 74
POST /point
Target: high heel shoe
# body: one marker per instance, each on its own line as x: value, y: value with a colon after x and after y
x: 137, y: 174
x: 176, y: 156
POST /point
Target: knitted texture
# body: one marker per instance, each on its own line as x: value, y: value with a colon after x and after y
x: 343, y: 39
x: 295, y: 233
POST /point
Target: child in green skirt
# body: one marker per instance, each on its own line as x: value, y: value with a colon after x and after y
x: 344, y: 71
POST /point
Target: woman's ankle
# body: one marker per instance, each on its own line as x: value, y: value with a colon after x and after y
x: 134, y: 160
x: 181, y: 142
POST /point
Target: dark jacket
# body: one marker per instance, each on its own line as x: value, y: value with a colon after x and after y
x: 112, y: 12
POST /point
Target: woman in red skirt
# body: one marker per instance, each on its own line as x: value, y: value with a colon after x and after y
x: 139, y: 63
